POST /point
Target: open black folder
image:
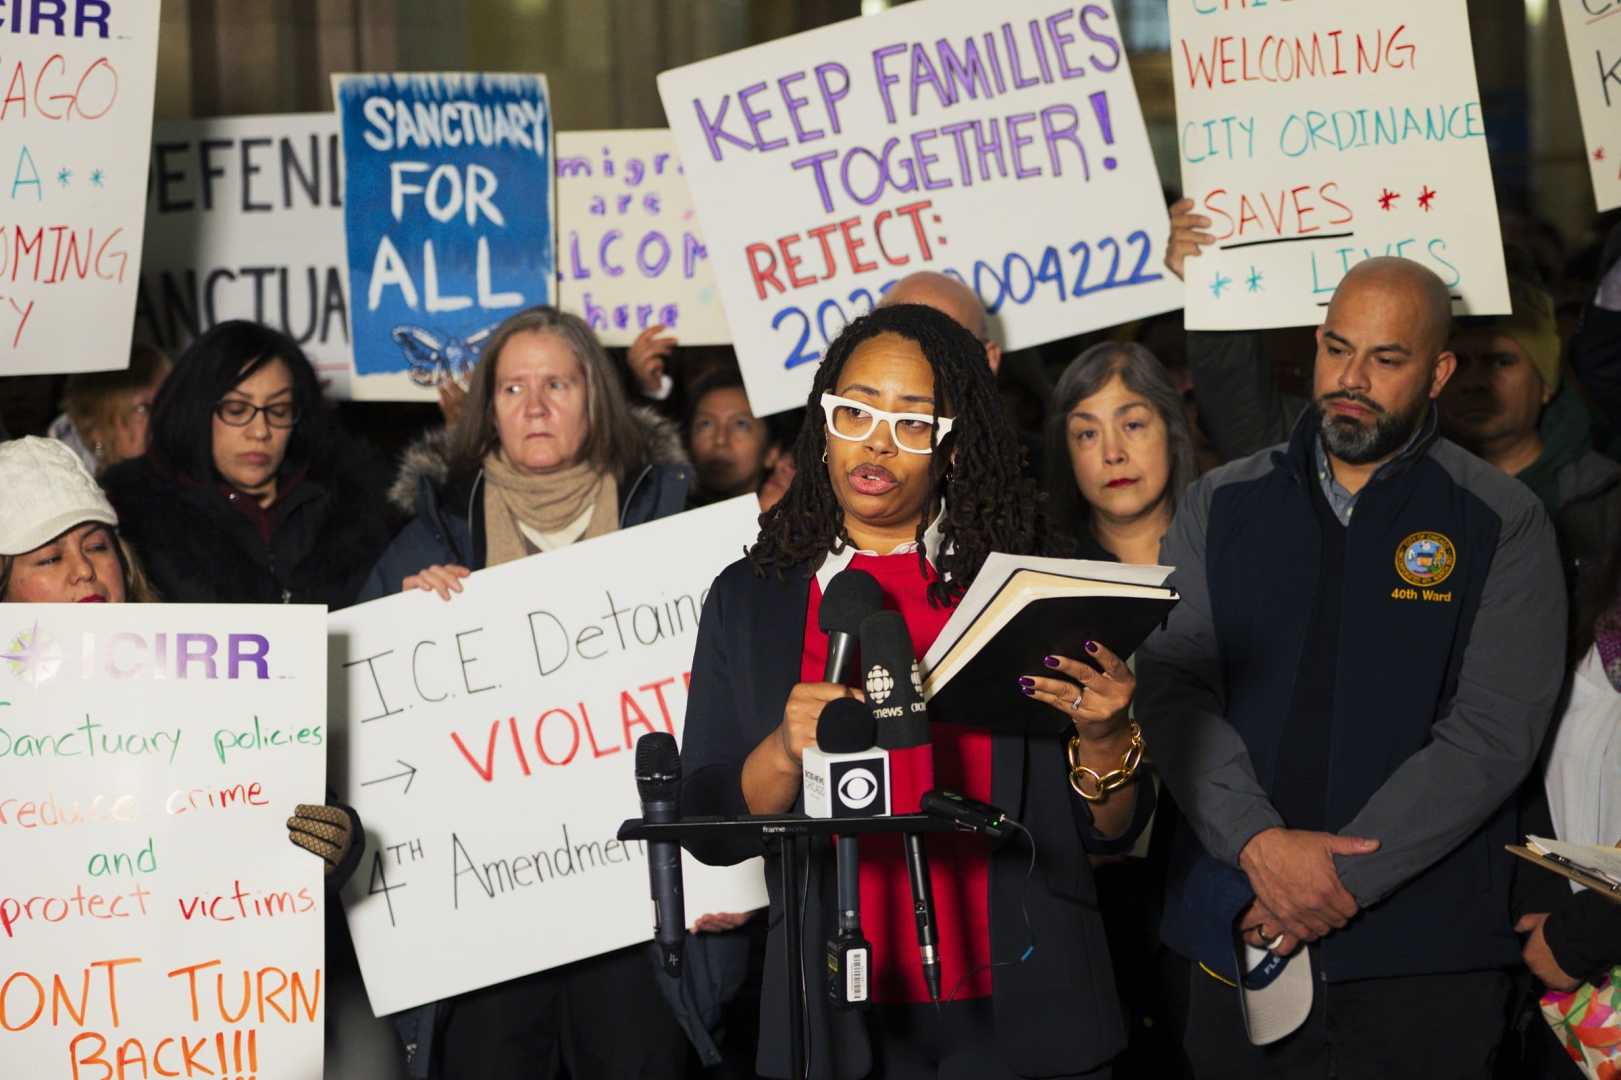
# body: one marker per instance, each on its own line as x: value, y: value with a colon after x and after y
x: 1021, y: 609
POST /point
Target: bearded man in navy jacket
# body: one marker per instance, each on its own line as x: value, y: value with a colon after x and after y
x: 1360, y: 674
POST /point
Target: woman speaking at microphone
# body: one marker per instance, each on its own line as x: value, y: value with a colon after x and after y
x: 913, y: 475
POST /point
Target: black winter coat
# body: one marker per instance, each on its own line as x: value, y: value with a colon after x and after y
x: 1057, y: 1012
x: 329, y: 530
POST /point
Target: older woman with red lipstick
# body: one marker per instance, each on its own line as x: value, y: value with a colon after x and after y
x: 59, y: 541
x: 910, y: 471
x: 1119, y: 454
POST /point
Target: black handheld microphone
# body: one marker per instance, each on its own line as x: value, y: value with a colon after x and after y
x: 658, y: 782
x: 893, y: 683
x: 851, y: 596
x: 844, y: 735
x: 969, y: 814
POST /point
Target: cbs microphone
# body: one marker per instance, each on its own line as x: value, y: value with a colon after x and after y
x: 845, y: 774
x: 850, y: 778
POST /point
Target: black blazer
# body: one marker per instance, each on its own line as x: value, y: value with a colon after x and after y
x: 1058, y: 1011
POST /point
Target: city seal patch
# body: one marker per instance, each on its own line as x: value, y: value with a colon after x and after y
x: 1425, y: 559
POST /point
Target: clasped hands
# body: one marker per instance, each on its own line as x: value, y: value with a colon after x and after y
x: 1298, y: 894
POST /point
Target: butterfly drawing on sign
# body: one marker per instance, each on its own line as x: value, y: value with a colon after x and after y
x: 434, y: 361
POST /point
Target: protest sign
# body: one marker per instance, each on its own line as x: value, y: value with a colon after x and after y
x: 154, y: 918
x: 1317, y: 135
x: 448, y: 220
x: 999, y: 143
x: 488, y: 744
x: 630, y: 252
x: 77, y: 115
x: 1593, y: 34
x: 244, y: 220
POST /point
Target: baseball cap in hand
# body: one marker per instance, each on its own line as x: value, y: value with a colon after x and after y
x: 45, y: 490
x: 1274, y: 992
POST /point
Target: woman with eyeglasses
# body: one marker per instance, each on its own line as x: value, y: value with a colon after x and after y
x: 910, y: 471
x: 248, y: 492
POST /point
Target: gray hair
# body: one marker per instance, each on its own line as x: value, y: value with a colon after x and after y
x: 614, y: 442
x: 1088, y: 373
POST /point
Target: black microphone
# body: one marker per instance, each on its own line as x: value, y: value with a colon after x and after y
x: 969, y: 814
x: 895, y: 696
x: 658, y: 782
x: 854, y: 779
x: 851, y: 596
x: 893, y: 683
x: 928, y: 938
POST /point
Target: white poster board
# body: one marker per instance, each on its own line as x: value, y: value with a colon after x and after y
x: 488, y: 744
x: 1318, y: 135
x: 244, y: 220
x: 153, y: 911
x: 1000, y: 143
x: 1593, y: 34
x: 77, y: 114
x: 630, y: 253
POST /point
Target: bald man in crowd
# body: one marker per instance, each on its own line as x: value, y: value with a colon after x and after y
x: 1359, y: 675
x: 951, y: 298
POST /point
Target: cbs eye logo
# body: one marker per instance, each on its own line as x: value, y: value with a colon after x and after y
x: 858, y: 788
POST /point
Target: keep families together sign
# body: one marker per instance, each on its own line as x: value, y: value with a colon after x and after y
x: 1001, y: 144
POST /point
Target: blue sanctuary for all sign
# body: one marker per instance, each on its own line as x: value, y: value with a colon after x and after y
x: 449, y: 218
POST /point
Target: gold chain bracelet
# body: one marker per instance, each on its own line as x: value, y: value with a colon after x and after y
x: 1115, y: 779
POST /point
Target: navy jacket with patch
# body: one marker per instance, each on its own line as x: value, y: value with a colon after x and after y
x: 1445, y: 684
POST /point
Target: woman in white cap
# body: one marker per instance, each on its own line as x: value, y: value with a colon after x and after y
x: 59, y: 544
x: 59, y: 539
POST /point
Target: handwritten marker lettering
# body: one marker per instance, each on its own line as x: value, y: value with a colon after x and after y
x: 448, y: 218
x: 488, y: 756
x: 830, y: 164
x: 1299, y: 126
x: 80, y: 76
x: 154, y: 918
x: 1593, y: 40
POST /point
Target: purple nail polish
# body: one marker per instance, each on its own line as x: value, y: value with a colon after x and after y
x: 1028, y: 691
x: 1026, y: 682
x: 1050, y: 661
x: 1091, y: 646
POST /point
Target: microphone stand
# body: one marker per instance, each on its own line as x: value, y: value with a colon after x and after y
x: 785, y: 835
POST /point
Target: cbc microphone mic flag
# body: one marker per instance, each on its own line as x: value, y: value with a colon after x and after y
x: 893, y: 683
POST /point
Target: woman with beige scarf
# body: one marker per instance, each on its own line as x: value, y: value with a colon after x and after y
x: 544, y: 453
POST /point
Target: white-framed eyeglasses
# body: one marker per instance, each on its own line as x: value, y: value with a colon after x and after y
x: 856, y: 420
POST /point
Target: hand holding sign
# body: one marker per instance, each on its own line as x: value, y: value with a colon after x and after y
x: 1188, y: 237
x: 647, y: 357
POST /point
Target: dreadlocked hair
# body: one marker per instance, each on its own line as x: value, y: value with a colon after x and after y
x: 976, y: 470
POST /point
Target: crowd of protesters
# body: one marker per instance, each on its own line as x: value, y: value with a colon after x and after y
x: 1332, y: 769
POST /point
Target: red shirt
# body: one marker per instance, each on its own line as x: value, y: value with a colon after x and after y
x: 959, y: 872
